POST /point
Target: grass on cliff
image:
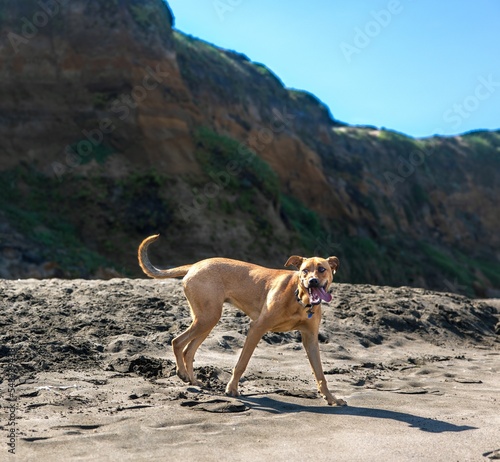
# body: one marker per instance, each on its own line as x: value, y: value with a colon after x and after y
x: 84, y: 223
x: 236, y: 168
x: 234, y: 165
x: 32, y: 203
x: 152, y: 15
x: 461, y: 270
x: 307, y: 224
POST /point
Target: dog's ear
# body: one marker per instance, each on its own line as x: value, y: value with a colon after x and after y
x: 294, y: 260
x: 334, y: 263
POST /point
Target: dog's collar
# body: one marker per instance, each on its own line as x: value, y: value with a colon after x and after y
x: 309, y: 307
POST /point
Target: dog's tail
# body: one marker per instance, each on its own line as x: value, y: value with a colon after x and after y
x: 151, y: 270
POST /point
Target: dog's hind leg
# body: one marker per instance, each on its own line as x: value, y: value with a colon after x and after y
x: 178, y: 344
x: 186, y: 344
x: 192, y: 346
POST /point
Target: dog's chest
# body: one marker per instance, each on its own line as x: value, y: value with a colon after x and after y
x: 295, y: 319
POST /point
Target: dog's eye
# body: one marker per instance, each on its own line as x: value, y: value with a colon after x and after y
x: 321, y: 269
x: 304, y: 271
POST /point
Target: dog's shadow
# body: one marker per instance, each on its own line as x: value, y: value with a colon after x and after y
x: 268, y: 404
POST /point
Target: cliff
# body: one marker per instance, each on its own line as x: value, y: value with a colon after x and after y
x: 116, y: 126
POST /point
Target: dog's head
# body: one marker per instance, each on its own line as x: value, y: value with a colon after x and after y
x: 315, y: 276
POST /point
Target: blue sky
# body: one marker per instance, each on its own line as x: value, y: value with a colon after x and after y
x: 421, y: 67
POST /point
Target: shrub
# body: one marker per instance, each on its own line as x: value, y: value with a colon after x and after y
x: 303, y: 220
x: 221, y: 155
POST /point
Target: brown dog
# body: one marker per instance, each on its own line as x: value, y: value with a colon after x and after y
x: 275, y: 300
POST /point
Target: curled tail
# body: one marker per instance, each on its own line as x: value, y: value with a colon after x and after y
x: 151, y: 270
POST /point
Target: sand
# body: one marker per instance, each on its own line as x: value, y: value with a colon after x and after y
x: 87, y: 374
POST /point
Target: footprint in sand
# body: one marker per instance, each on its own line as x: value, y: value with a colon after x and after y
x: 493, y: 455
x: 217, y: 405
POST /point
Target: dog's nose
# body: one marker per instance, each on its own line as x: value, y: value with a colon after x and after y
x: 313, y: 282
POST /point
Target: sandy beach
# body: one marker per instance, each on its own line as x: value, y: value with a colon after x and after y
x: 88, y: 374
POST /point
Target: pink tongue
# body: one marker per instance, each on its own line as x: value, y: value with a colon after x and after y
x: 325, y: 295
x: 320, y: 293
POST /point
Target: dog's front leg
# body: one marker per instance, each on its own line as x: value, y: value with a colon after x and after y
x: 255, y: 333
x: 311, y: 345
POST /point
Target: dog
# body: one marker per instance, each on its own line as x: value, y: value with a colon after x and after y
x: 275, y: 300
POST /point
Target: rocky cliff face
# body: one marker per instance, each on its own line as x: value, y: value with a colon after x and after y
x: 87, y: 80
x: 114, y: 126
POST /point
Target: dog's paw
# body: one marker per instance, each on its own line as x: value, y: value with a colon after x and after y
x: 183, y: 376
x: 336, y: 402
x: 196, y: 383
x: 234, y: 393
